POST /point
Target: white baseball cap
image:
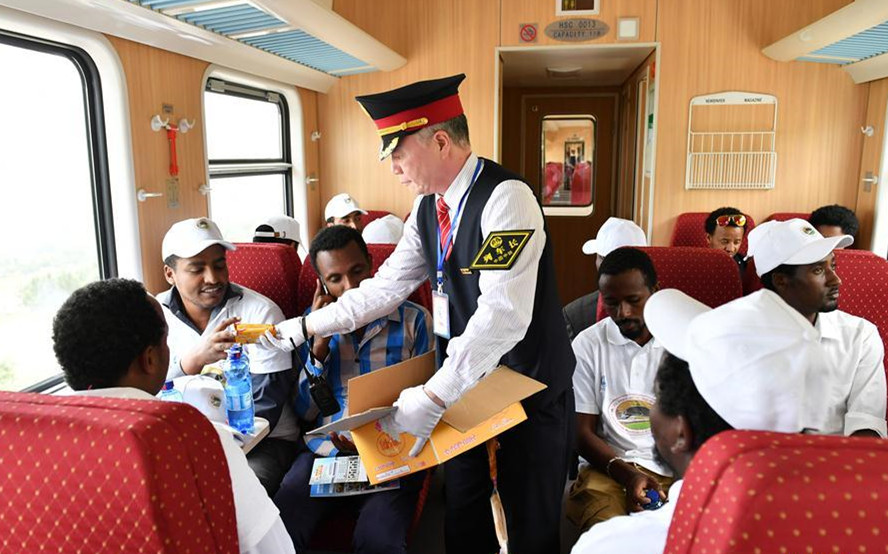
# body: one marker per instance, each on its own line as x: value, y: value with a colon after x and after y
x: 792, y: 242
x: 341, y: 205
x: 756, y: 360
x: 191, y: 237
x: 284, y: 227
x: 204, y: 393
x: 615, y: 233
x: 385, y: 230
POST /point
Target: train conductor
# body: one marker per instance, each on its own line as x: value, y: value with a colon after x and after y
x: 477, y: 232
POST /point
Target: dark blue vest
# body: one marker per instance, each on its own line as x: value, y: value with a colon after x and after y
x: 544, y: 353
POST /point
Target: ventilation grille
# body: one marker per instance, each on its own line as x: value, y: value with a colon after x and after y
x: 242, y: 21
x: 863, y: 45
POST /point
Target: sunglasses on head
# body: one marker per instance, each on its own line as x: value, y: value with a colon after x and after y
x: 736, y: 220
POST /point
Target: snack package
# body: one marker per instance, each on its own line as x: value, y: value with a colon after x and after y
x: 248, y: 333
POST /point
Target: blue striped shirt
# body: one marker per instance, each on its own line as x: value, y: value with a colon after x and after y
x: 401, y: 335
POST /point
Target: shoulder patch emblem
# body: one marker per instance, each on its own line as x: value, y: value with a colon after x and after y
x: 501, y: 249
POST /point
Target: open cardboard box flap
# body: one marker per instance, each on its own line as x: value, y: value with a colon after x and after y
x: 370, y: 396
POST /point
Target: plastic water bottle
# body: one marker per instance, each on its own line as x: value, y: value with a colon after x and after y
x: 170, y: 394
x: 238, y: 390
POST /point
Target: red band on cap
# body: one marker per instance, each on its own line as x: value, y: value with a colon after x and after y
x: 436, y: 112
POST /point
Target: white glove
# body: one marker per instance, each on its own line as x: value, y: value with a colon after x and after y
x: 290, y: 333
x: 416, y: 414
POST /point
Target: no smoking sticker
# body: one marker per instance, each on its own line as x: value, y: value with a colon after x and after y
x: 528, y: 32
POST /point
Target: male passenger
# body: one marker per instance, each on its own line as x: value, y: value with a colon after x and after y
x: 132, y: 362
x: 834, y: 221
x: 725, y: 228
x: 798, y: 264
x: 279, y: 229
x: 200, y: 308
x: 760, y: 372
x: 617, y: 360
x: 615, y: 233
x: 342, y: 209
x: 342, y: 261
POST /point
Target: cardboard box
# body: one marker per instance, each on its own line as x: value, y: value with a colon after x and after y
x: 491, y: 407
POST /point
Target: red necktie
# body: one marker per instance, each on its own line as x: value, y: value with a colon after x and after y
x: 444, y: 224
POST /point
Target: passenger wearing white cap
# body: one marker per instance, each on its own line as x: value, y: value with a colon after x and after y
x: 342, y: 209
x: 200, y: 308
x: 280, y: 229
x: 617, y: 361
x: 761, y: 371
x: 797, y: 263
x: 385, y: 230
x: 615, y: 233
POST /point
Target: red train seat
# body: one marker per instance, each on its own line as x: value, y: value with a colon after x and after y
x: 864, y: 290
x: 373, y: 215
x: 785, y: 216
x: 706, y: 274
x: 272, y: 270
x: 753, y: 491
x: 689, y: 230
x: 112, y: 475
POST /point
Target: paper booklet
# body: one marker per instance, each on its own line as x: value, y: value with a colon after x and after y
x: 343, y: 476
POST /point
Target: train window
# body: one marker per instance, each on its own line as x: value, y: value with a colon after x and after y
x: 57, y: 231
x: 568, y: 144
x: 248, y: 147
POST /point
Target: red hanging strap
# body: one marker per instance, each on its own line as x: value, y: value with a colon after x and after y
x: 171, y: 136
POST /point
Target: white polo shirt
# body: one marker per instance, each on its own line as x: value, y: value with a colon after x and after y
x: 259, y: 526
x: 251, y: 307
x: 856, y: 393
x: 639, y: 533
x: 614, y: 379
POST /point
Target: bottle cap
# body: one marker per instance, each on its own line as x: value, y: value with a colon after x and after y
x: 168, y: 385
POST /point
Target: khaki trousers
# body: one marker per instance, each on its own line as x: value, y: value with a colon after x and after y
x: 595, y: 497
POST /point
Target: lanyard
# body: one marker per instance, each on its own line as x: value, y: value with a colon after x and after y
x: 448, y: 240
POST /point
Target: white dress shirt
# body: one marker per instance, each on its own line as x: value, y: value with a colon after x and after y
x: 856, y: 395
x: 259, y: 526
x: 614, y: 379
x: 505, y: 306
x: 251, y: 307
x: 639, y: 533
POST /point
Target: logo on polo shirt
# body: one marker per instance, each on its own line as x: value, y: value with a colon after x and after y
x: 632, y: 412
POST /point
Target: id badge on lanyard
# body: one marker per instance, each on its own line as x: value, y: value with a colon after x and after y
x: 440, y: 300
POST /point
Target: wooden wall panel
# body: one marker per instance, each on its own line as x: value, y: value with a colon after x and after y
x: 519, y: 12
x: 629, y: 139
x: 312, y: 160
x: 715, y: 45
x: 156, y: 77
x: 871, y: 161
x: 438, y: 38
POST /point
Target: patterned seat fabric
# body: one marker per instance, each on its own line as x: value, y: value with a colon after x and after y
x: 864, y: 290
x: 706, y: 274
x: 752, y: 491
x: 374, y: 215
x: 689, y: 230
x: 112, y: 475
x: 379, y: 253
x: 785, y: 216
x: 269, y: 269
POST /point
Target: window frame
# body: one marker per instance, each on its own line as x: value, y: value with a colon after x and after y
x: 246, y: 167
x: 562, y: 210
x: 97, y: 145
x: 97, y: 150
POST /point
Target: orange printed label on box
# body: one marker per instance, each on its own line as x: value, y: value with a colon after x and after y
x: 385, y: 458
